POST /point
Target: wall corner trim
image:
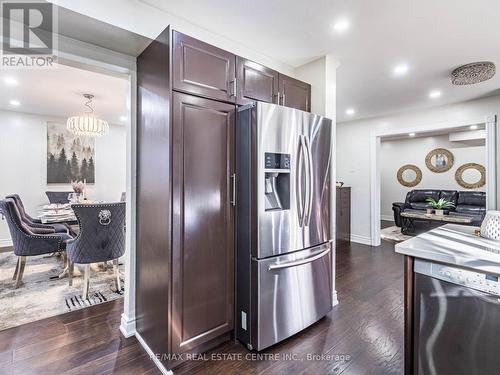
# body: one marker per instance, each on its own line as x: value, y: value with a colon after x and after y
x: 127, y: 326
x: 152, y: 355
x: 335, y: 298
x: 364, y: 240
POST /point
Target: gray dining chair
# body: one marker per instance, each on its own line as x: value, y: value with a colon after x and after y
x: 32, y: 222
x: 59, y: 197
x: 123, y: 198
x: 101, y: 239
x: 26, y: 242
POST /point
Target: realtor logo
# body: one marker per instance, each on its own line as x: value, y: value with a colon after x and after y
x: 28, y: 34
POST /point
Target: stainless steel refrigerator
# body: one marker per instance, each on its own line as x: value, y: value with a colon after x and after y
x: 284, y: 262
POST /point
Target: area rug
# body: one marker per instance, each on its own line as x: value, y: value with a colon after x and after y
x: 43, y: 294
x: 393, y: 234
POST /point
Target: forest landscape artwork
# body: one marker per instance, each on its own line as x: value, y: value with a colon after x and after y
x: 70, y: 157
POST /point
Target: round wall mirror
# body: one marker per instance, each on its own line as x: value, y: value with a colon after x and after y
x: 409, y: 175
x: 471, y: 176
x: 439, y: 160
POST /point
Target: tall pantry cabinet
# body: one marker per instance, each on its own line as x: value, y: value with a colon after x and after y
x: 188, y: 92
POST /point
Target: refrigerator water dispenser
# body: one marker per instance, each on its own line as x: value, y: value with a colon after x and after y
x: 277, y: 181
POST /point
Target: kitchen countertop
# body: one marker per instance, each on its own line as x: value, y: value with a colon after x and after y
x: 455, y: 245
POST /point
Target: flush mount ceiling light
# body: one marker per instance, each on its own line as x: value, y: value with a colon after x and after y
x: 88, y: 124
x: 341, y: 25
x: 400, y: 70
x: 473, y: 127
x: 350, y: 111
x: 15, y: 103
x: 411, y: 135
x: 435, y: 94
x: 10, y: 81
x: 473, y: 73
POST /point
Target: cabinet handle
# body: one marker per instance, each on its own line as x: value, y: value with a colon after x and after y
x: 278, y: 97
x: 283, y: 99
x: 233, y: 88
x: 233, y: 195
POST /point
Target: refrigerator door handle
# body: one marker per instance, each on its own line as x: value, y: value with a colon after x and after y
x: 300, y: 198
x: 309, y: 182
x: 233, y: 193
x: 295, y: 263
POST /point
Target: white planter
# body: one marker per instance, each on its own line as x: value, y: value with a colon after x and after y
x: 430, y: 211
x: 439, y: 212
x: 490, y: 228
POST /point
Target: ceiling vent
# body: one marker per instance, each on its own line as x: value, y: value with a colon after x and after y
x: 473, y: 73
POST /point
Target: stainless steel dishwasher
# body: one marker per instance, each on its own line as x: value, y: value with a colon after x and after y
x: 457, y: 321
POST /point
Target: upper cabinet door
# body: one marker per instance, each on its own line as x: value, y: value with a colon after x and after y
x: 202, y: 69
x: 294, y: 93
x: 256, y: 82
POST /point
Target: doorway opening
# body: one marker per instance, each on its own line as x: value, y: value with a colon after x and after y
x: 46, y: 169
x: 412, y: 169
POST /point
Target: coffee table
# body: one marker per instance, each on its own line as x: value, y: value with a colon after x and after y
x: 409, y: 216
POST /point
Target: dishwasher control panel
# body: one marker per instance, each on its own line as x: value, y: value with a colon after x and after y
x: 484, y: 282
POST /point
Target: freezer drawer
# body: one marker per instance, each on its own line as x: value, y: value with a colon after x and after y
x: 294, y: 291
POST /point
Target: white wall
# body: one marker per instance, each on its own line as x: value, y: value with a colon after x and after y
x: 315, y: 74
x: 353, y: 148
x: 23, y: 155
x: 396, y: 153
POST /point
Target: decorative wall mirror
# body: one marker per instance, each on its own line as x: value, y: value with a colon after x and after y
x: 439, y: 160
x: 409, y: 175
x: 471, y: 176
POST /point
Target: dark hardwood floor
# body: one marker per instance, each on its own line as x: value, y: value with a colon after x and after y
x: 365, y: 332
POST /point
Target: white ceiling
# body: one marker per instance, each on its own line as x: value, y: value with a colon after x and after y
x: 432, y: 37
x: 58, y: 92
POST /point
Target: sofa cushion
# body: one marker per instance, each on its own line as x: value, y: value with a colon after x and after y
x: 422, y: 195
x: 449, y: 195
x: 470, y: 209
x: 472, y: 198
x: 420, y: 205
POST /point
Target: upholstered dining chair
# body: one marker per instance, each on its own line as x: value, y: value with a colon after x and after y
x: 101, y: 238
x: 59, y: 197
x: 26, y: 242
x: 32, y: 222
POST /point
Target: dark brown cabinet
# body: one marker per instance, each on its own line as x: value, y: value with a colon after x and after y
x: 203, y: 222
x: 294, y: 93
x: 255, y: 82
x: 343, y: 221
x: 202, y: 69
x: 185, y: 221
x: 185, y: 178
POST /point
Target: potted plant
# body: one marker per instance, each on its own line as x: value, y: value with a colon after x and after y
x: 441, y: 205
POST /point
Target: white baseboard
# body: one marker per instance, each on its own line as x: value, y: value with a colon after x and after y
x: 335, y: 299
x: 387, y: 217
x: 365, y: 240
x: 5, y: 242
x: 152, y: 355
x: 127, y: 326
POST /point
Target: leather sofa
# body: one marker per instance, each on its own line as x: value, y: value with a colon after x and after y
x: 467, y: 203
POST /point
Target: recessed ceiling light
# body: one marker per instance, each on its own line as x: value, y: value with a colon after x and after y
x: 400, y: 70
x: 10, y: 81
x: 123, y: 118
x: 15, y: 103
x: 341, y: 25
x: 435, y: 94
x: 411, y: 134
x: 350, y: 111
x: 473, y: 127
